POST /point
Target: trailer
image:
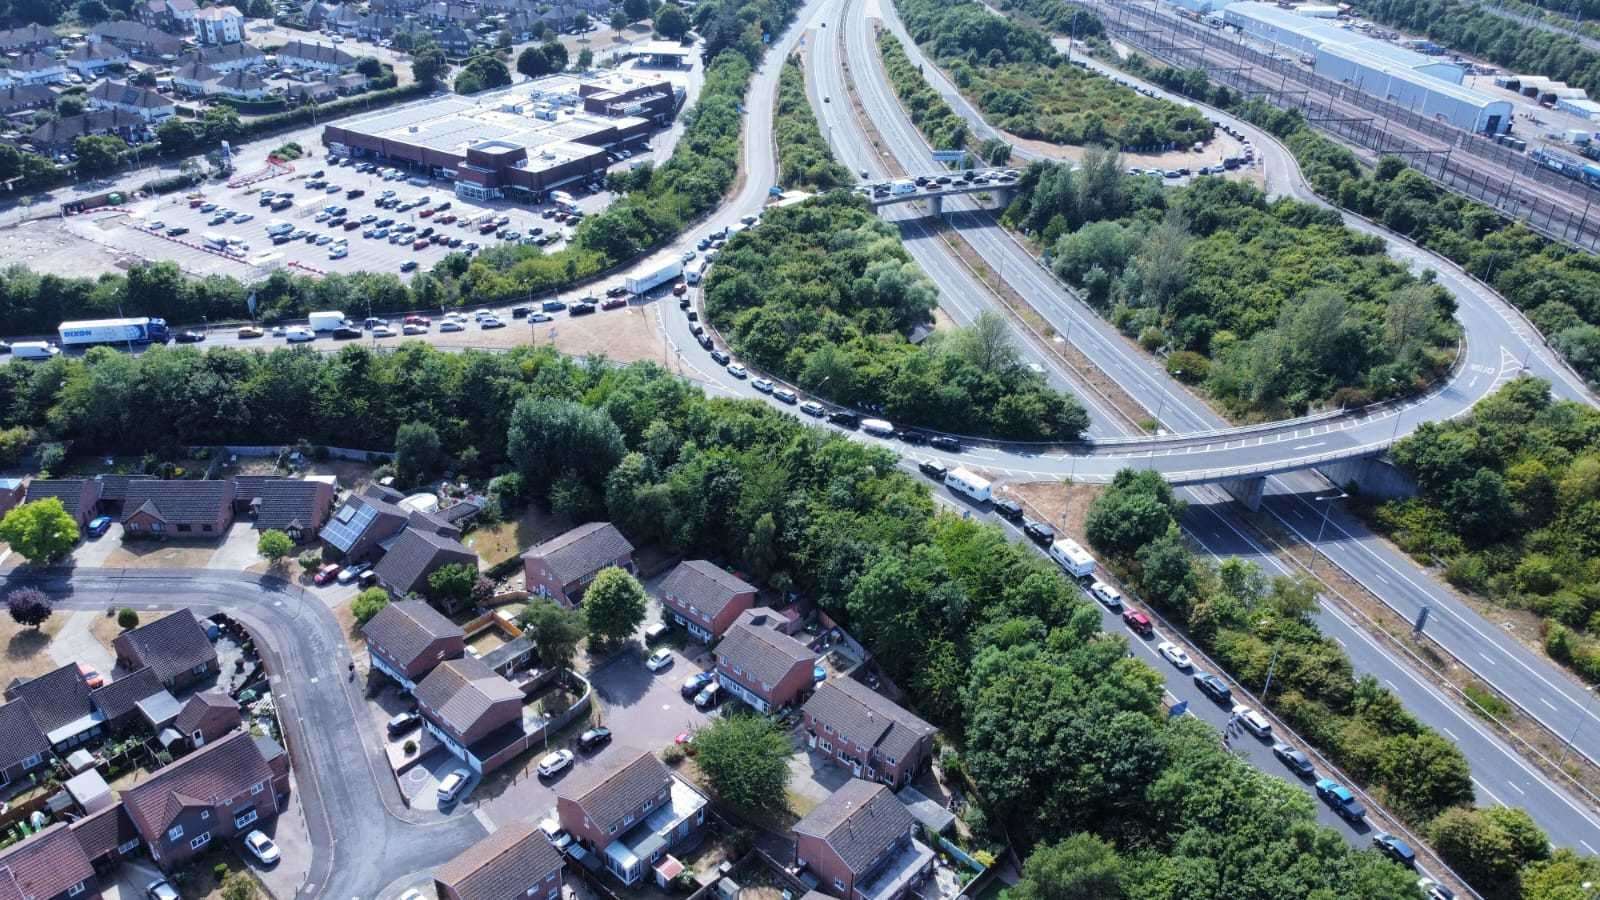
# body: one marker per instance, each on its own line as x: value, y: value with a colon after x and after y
x: 141, y: 330
x: 970, y: 483
x: 327, y: 320
x: 642, y: 284
x: 1071, y: 556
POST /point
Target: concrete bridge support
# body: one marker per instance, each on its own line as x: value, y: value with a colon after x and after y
x: 1373, y: 476
x: 936, y: 205
x: 1245, y: 490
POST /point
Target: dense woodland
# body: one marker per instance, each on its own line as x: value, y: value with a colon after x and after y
x: 927, y: 110
x: 1243, y: 619
x: 1025, y: 87
x: 1274, y: 306
x: 804, y: 160
x: 1063, y: 730
x: 824, y: 295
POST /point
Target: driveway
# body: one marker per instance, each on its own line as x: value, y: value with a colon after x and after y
x: 420, y: 783
x: 93, y: 551
x: 237, y: 551
x: 76, y: 642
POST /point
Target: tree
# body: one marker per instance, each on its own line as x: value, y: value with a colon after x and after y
x: 613, y: 606
x: 369, y: 67
x: 28, y: 606
x: 70, y: 104
x: 452, y: 584
x: 273, y: 546
x: 533, y: 63
x: 671, y: 23
x: 555, y: 54
x: 481, y: 74
x: 127, y: 618
x: 92, y: 12
x: 1489, y: 847
x: 40, y: 531
x: 746, y: 759
x: 619, y: 21
x: 636, y: 10
x: 99, y: 153
x: 548, y: 438
x: 1081, y: 867
x: 580, y: 22
x: 428, y: 63
x: 417, y: 452
x: 239, y: 886
x: 585, y: 59
x: 987, y: 344
x: 1133, y: 511
x: 310, y: 561
x: 368, y: 603
x: 555, y: 630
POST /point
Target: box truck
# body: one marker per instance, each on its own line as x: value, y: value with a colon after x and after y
x: 1070, y: 556
x: 643, y: 283
x: 33, y: 350
x: 142, y: 330
x: 968, y: 482
x: 327, y: 321
x: 903, y: 187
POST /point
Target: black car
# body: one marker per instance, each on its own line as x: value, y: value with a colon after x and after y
x: 1010, y: 510
x: 520, y: 312
x: 593, y: 738
x: 408, y: 265
x: 177, y: 231
x: 946, y: 443
x: 914, y: 438
x: 932, y: 469
x: 190, y: 337
x: 581, y: 309
x: 353, y: 193
x: 1395, y: 848
x: 1295, y: 760
x: 552, y: 306
x: 345, y: 333
x: 694, y: 684
x: 1213, y: 687
x: 1040, y: 533
x: 683, y: 302
x: 401, y: 723
x: 720, y: 357
x: 844, y: 419
x: 616, y: 291
x: 705, y: 341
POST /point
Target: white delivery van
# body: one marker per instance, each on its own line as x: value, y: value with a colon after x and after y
x: 34, y: 350
x: 903, y: 187
x: 877, y: 427
x: 299, y: 334
x: 327, y: 320
x: 969, y: 483
x: 1070, y: 556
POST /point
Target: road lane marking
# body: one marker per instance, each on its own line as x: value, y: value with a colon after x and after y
x: 1309, y: 446
x: 1486, y: 790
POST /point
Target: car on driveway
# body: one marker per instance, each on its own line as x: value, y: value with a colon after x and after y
x: 1339, y: 797
x: 594, y: 739
x: 694, y: 684
x: 262, y: 848
x: 351, y: 573
x: 162, y: 889
x: 326, y: 574
x: 451, y: 786
x: 1214, y: 687
x: 1296, y: 760
x: 1395, y: 848
x: 558, y: 836
x: 400, y: 723
x: 659, y: 660
x: 99, y: 525
x: 554, y: 763
x: 1174, y: 654
x: 709, y: 696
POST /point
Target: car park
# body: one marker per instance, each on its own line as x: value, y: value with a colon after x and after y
x: 554, y: 763
x: 594, y: 738
x: 1174, y: 654
x: 659, y: 660
x: 1214, y: 687
x: 1295, y: 760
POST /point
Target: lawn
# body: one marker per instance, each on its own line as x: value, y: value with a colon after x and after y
x: 28, y: 649
x: 501, y: 541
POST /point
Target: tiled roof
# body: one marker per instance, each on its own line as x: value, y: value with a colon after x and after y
x: 137, y: 33
x: 20, y: 736
x: 406, y: 628
x: 70, y: 491
x: 115, y: 487
x: 204, y: 778
x: 99, y: 50
x: 122, y: 696
x: 27, y: 34
x: 199, y: 705
x: 416, y: 555
x: 582, y: 550
x: 132, y: 95
x: 283, y: 501
x: 23, y: 96
x: 47, y: 864
x: 607, y: 795
x: 505, y: 864
x: 323, y: 53
x: 460, y: 691
x: 866, y: 717
x: 102, y: 832
x: 859, y: 821
x: 35, y: 62
x: 219, y: 13
x: 225, y: 53
x: 762, y: 653
x: 95, y: 121
x: 365, y: 518
x: 54, y: 698
x: 172, y: 645
x: 704, y: 585
x: 180, y: 501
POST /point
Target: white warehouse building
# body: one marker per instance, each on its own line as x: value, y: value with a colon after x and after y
x: 1422, y: 94
x: 1306, y: 35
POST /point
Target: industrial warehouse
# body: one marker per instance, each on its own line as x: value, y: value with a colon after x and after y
x: 521, y: 142
x: 1427, y: 85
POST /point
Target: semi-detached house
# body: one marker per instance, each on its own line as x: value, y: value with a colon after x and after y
x: 408, y: 638
x: 474, y: 711
x: 515, y: 861
x: 870, y: 734
x: 705, y: 599
x: 630, y: 815
x: 762, y: 666
x: 861, y: 844
x: 562, y: 567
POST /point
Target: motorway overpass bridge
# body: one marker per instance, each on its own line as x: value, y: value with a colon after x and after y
x: 992, y: 182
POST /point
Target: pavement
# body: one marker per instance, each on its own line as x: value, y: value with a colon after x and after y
x: 237, y: 551
x: 76, y: 643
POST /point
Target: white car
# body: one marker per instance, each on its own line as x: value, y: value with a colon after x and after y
x: 1253, y: 722
x: 554, y: 763
x: 338, y: 252
x: 737, y: 370
x: 413, y: 894
x: 161, y: 890
x: 299, y: 335
x: 261, y: 847
x: 451, y: 325
x: 558, y: 836
x: 1174, y: 654
x: 414, y: 328
x: 351, y: 573
x: 383, y: 331
x: 451, y: 786
x: 762, y: 385
x: 659, y: 660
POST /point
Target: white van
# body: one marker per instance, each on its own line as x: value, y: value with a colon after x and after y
x: 277, y: 227
x: 34, y: 350
x: 903, y: 187
x: 969, y: 483
x: 1069, y: 555
x: 877, y: 427
x: 299, y: 334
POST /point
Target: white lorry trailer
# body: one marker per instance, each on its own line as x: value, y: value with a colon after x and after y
x: 140, y: 330
x: 327, y: 320
x: 642, y: 284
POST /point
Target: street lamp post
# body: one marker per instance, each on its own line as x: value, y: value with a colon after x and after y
x: 1327, y: 507
x: 1588, y: 706
x: 1162, y: 407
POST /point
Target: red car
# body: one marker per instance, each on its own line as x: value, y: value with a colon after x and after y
x: 325, y: 574
x: 679, y: 289
x: 417, y: 320
x: 614, y: 303
x: 1138, y: 621
x: 425, y: 213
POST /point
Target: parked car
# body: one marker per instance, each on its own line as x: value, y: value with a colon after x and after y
x: 1296, y: 761
x: 261, y: 847
x: 1139, y: 622
x: 161, y: 889
x: 933, y: 469
x: 659, y: 660
x: 594, y: 738
x: 451, y: 786
x: 1039, y: 532
x: 709, y: 697
x: 351, y: 573
x: 554, y: 763
x: 400, y: 723
x: 694, y: 684
x: 326, y: 574
x: 1340, y: 799
x: 558, y: 836
x: 1174, y: 654
x: 1214, y: 687
x: 1009, y: 510
x: 98, y: 526
x: 1395, y: 848
x: 1253, y: 722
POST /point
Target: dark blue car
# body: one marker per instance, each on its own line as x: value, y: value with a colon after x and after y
x: 99, y: 525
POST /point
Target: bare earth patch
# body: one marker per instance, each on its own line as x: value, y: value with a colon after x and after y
x: 1064, y: 506
x: 27, y: 653
x: 624, y: 335
x: 47, y: 247
x: 499, y: 542
x: 153, y: 555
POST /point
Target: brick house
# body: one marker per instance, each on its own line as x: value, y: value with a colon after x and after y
x: 23, y: 744
x: 227, y: 57
x: 12, y: 490
x: 296, y: 506
x: 630, y: 815
x: 78, y: 496
x: 761, y: 665
x: 28, y: 37
x: 515, y: 861
x: 138, y: 39
x: 207, y: 717
x: 59, y: 702
x: 705, y: 598
x: 181, y: 508
x: 861, y: 844
x: 119, y: 701
x: 315, y: 57
x: 563, y: 566
x: 89, y: 60
x: 418, y: 553
x: 214, y: 794
x: 175, y: 645
x: 871, y: 735
x: 148, y: 105
x: 35, y: 68
x: 52, y: 864
x: 113, y: 492
x: 364, y: 522
x: 473, y: 710
x: 407, y: 639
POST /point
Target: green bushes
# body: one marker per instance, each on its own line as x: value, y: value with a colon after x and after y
x: 823, y: 294
x: 804, y: 160
x: 933, y: 117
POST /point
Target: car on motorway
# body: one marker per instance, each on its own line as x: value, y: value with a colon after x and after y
x: 552, y: 306
x: 582, y: 308
x: 1138, y: 622
x: 410, y: 330
x: 247, y: 332
x: 1433, y: 890
x: 1010, y: 510
x: 1174, y: 654
x: 720, y: 357
x: 945, y: 442
x: 1109, y: 597
x: 1340, y: 799
x: 1395, y: 848
x: 1214, y: 687
x: 540, y: 317
x: 325, y: 574
x: 659, y: 660
x: 451, y: 325
x: 451, y: 786
x: 911, y: 436
x: 346, y: 333
x: 694, y: 684
x: 1253, y: 722
x: 383, y: 331
x: 1295, y: 760
x: 554, y: 763
x: 762, y: 385
x: 784, y: 395
x: 933, y: 469
x: 613, y: 303
x: 844, y: 419
x: 1039, y: 532
x: 594, y: 738
x: 490, y: 323
x: 704, y: 340
x: 190, y: 337
x: 738, y: 370
x: 813, y: 408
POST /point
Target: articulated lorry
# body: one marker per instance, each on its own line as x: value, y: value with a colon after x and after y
x: 644, y: 283
x: 141, y: 330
